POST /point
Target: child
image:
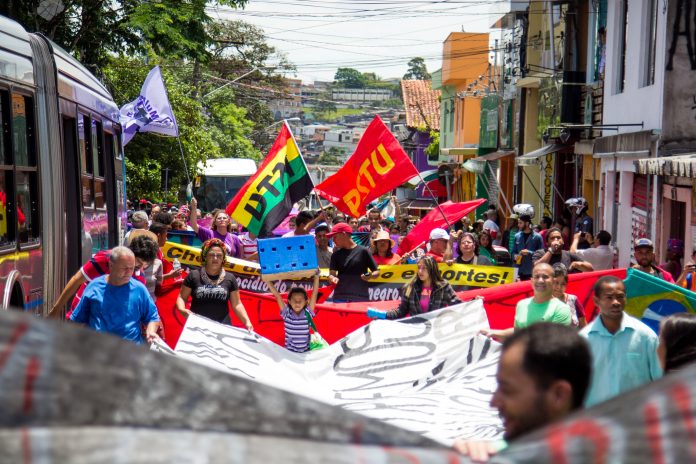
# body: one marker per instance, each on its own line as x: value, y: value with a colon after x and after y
x: 294, y: 314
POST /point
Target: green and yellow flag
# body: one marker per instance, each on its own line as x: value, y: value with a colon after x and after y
x: 268, y: 196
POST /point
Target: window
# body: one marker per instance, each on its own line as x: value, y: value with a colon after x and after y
x: 26, y: 205
x: 649, y: 44
x: 621, y: 47
x: 84, y: 129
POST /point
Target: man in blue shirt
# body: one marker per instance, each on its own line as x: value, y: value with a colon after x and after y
x: 623, y: 348
x: 118, y: 304
x: 526, y: 243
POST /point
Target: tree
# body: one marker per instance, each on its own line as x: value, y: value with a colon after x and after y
x: 95, y: 29
x: 349, y: 78
x: 417, y: 70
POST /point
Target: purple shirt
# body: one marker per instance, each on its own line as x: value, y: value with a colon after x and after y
x: 232, y: 243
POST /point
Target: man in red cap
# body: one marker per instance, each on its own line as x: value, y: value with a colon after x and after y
x: 352, y: 266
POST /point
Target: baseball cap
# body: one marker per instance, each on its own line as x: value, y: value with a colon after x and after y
x: 643, y: 243
x: 513, y: 216
x: 439, y: 234
x: 340, y: 228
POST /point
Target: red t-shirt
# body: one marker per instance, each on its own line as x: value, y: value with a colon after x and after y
x: 96, y: 267
x: 383, y: 260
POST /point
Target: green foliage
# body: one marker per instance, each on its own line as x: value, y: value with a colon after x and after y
x: 417, y: 70
x: 392, y: 103
x: 331, y: 157
x: 433, y: 149
x: 93, y: 30
x: 349, y: 78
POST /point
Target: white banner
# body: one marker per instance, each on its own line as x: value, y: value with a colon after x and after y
x: 432, y: 374
x: 151, y: 111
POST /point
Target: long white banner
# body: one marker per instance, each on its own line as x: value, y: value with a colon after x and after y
x: 432, y: 374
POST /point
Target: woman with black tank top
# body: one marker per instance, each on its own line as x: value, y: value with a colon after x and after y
x: 211, y: 288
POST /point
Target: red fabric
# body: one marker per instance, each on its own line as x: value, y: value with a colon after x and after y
x: 262, y: 309
x: 421, y: 233
x: 378, y: 165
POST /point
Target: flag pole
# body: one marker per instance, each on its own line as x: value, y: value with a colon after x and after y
x: 449, y: 226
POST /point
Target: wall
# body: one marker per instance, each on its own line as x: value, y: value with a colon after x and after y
x: 464, y: 60
x: 679, y: 119
x: 635, y: 104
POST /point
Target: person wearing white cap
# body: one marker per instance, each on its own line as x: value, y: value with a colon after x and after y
x: 440, y: 246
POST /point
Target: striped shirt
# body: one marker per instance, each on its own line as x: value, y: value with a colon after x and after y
x: 249, y: 246
x: 296, y: 329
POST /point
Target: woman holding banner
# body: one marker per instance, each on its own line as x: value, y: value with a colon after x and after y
x: 210, y: 287
x: 469, y: 250
x: 382, y: 246
x: 428, y: 291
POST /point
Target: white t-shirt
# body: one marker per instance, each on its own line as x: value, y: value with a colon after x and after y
x: 495, y: 231
x: 249, y: 246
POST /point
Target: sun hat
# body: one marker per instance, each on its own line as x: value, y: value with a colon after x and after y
x: 383, y: 235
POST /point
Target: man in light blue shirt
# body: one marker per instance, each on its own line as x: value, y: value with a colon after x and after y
x: 623, y: 348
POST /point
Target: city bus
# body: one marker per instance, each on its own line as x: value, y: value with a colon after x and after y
x: 62, y: 179
x: 220, y: 180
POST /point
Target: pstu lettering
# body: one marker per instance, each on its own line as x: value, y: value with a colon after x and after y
x: 371, y: 166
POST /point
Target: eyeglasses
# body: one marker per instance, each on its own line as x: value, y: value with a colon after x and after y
x: 222, y: 218
x: 467, y: 242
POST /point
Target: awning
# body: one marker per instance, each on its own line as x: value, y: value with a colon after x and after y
x: 417, y: 204
x: 677, y: 166
x: 532, y: 158
x: 478, y: 164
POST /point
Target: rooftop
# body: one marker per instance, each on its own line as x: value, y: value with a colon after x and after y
x: 422, y: 104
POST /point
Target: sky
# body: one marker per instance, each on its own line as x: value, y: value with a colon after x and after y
x: 380, y: 36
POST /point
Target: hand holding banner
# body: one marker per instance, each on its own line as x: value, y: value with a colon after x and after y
x: 378, y: 165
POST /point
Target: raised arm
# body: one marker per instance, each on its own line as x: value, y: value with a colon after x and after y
x: 193, y: 217
x: 315, y: 292
x: 276, y: 294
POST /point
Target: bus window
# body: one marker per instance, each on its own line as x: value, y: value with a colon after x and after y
x: 27, y: 207
x: 86, y: 167
x: 98, y: 163
x: 5, y: 140
x: 26, y: 177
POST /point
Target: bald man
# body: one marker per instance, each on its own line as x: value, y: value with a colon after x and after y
x: 541, y: 307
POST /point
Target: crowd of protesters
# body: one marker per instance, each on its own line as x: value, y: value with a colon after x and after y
x: 554, y: 361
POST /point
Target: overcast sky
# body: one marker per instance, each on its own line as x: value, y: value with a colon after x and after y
x: 378, y: 36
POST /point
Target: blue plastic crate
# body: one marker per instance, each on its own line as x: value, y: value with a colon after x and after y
x: 287, y: 254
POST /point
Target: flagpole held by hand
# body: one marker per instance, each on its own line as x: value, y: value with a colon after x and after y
x: 449, y: 226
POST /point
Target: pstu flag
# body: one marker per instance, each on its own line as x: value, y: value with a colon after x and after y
x: 267, y: 197
x: 378, y: 165
x: 151, y: 111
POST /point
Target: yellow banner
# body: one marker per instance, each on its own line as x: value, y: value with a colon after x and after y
x: 456, y: 274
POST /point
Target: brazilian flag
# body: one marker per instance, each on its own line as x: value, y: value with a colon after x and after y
x: 650, y: 298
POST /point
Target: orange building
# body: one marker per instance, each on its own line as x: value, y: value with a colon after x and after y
x: 465, y: 66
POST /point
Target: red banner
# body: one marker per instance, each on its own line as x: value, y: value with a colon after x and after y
x: 378, y: 165
x: 334, y: 321
x: 421, y: 233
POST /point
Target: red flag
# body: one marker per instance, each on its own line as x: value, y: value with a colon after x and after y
x: 421, y: 233
x: 378, y: 165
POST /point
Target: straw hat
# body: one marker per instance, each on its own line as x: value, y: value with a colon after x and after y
x: 383, y: 235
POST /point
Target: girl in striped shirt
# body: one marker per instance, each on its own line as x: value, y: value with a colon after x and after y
x: 295, y: 314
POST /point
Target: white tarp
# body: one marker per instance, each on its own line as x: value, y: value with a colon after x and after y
x: 432, y: 374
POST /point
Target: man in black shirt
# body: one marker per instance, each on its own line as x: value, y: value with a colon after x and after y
x: 352, y: 266
x: 554, y: 253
